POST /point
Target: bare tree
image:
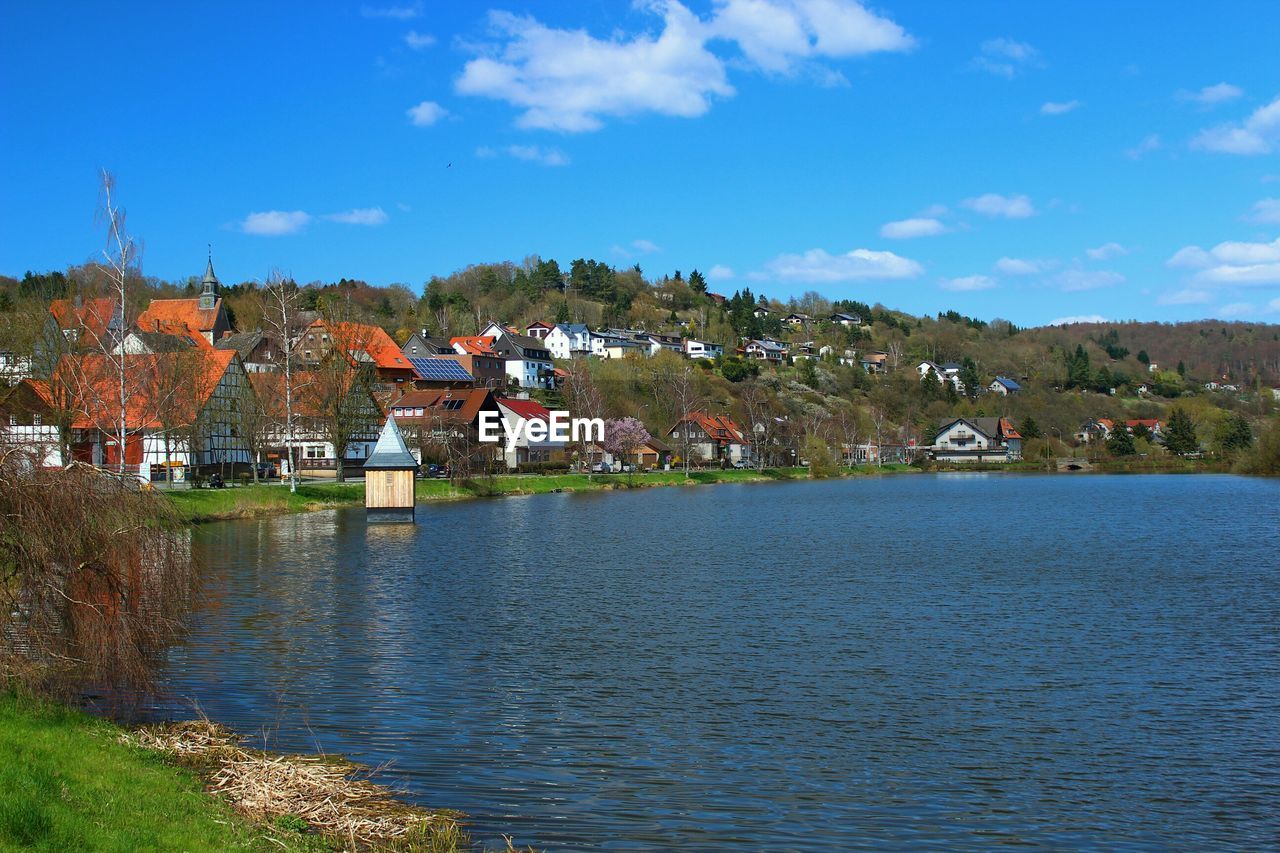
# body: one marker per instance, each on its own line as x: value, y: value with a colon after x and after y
x: 761, y: 411
x: 584, y: 400
x: 675, y: 390
x: 280, y: 318
x: 847, y: 421
x: 122, y: 265
x: 879, y: 417
x: 339, y: 391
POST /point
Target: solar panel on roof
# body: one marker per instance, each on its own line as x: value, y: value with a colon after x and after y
x: 440, y: 370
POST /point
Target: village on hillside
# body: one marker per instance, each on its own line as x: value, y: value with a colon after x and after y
x: 187, y: 395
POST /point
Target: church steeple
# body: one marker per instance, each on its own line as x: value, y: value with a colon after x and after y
x: 209, y: 290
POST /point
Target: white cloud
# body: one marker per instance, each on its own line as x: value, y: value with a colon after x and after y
x: 817, y: 266
x: 568, y: 80
x: 645, y: 247
x: 776, y: 35
x: 396, y: 13
x: 359, y: 216
x: 1057, y: 108
x: 1146, y: 146
x: 1074, y: 280
x: 967, y: 283
x: 426, y: 113
x: 720, y: 272
x: 1232, y: 263
x: 1210, y: 95
x: 1189, y: 257
x: 419, y: 41
x: 1236, y: 309
x: 538, y: 154
x: 1020, y: 266
x: 1106, y: 251
x: 1079, y: 318
x: 905, y: 229
x: 1006, y: 57
x: 1274, y: 305
x: 1185, y: 296
x: 1258, y: 134
x: 1006, y: 207
x: 275, y: 223
x: 1265, y: 212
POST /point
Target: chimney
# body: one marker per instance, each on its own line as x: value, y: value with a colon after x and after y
x: 226, y: 334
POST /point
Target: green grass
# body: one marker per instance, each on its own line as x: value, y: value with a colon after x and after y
x: 67, y: 783
x: 250, y: 501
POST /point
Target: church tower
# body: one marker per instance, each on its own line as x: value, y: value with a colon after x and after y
x: 209, y: 291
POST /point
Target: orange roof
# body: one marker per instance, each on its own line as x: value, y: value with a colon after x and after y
x: 453, y: 405
x: 1007, y: 429
x: 175, y: 316
x: 371, y: 340
x: 718, y: 427
x: 156, y: 393
x: 476, y: 345
x: 94, y: 315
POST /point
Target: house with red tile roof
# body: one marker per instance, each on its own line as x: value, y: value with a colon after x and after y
x: 202, y: 315
x: 475, y: 345
x: 97, y: 323
x: 360, y: 343
x: 173, y: 399
x: 710, y: 438
x: 312, y: 449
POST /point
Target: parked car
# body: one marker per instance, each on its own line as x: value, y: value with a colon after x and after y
x: 266, y: 470
x: 600, y: 468
x: 437, y: 471
x: 741, y: 463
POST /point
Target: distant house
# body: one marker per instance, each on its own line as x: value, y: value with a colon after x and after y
x: 875, y: 361
x: 797, y: 319
x: 527, y: 359
x: 98, y: 323
x: 846, y: 357
x: 766, y: 349
x: 948, y: 372
x: 498, y: 330
x: 611, y: 345
x: 710, y: 438
x: 845, y: 319
x: 27, y: 422
x: 804, y: 352
x: 258, y: 351
x: 976, y: 440
x: 716, y: 298
x: 566, y: 340
x: 762, y: 311
x: 139, y: 342
x: 1094, y: 430
x: 440, y: 372
x: 1152, y: 425
x: 702, y: 349
x: 522, y: 449
x: 539, y: 330
x: 657, y: 343
x: 14, y: 367
x: 422, y: 345
x: 312, y: 450
x: 1004, y: 386
x: 480, y: 357
x: 360, y: 343
x: 203, y: 315
x: 443, y: 420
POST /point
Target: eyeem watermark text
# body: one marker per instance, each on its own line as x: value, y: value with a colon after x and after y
x: 560, y: 428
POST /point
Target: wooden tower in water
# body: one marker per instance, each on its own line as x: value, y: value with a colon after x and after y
x: 388, y: 477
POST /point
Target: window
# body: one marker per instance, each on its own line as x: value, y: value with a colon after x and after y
x: 313, y: 451
x: 399, y: 411
x: 13, y: 420
x: 417, y: 411
x: 307, y: 354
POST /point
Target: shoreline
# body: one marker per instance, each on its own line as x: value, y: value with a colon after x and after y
x: 80, y: 781
x: 200, y: 506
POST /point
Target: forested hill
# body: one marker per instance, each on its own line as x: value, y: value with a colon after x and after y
x: 595, y: 293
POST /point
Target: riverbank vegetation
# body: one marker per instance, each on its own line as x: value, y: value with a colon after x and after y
x: 75, y: 782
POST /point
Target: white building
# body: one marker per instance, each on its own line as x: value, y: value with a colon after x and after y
x: 567, y: 340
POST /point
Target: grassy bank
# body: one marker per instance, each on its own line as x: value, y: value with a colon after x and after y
x: 250, y: 501
x: 74, y: 782
x: 68, y: 783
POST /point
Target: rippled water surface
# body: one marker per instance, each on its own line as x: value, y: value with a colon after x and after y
x: 915, y: 661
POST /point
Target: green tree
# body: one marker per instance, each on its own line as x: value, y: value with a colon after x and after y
x: 562, y: 313
x: 969, y: 378
x: 1120, y: 442
x: 822, y: 463
x: 697, y: 282
x: 1180, y: 437
x: 1233, y: 433
x: 1030, y: 429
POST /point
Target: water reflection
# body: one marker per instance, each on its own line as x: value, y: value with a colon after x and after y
x: 915, y: 661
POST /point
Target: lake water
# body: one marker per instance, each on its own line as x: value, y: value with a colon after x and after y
x: 908, y: 662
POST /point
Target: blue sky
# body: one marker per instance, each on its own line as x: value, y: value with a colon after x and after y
x: 1004, y: 159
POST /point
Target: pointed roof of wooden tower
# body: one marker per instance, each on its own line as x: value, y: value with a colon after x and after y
x: 390, y: 453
